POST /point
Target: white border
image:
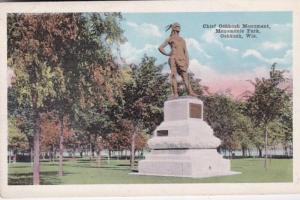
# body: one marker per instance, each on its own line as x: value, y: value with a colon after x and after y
x: 150, y: 189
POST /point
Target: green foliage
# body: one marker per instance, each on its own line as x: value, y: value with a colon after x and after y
x: 144, y: 95
x: 20, y: 113
x: 266, y: 104
x: 221, y: 113
x: 268, y: 107
x: 195, y: 84
x: 243, y: 131
x: 63, y: 63
x: 17, y: 141
x: 286, y: 120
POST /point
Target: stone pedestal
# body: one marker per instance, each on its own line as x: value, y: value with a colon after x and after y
x: 183, y: 144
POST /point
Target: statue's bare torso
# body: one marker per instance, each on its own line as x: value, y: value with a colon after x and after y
x: 177, y: 47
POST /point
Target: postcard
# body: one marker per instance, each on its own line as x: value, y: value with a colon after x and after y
x: 149, y: 98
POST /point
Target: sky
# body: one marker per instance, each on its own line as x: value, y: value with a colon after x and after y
x: 221, y: 63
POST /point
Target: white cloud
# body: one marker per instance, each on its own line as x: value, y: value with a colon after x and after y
x: 220, y: 82
x: 146, y: 29
x: 132, y: 54
x: 231, y: 49
x: 273, y: 45
x: 254, y: 53
x: 132, y: 24
x: 286, y: 59
x: 210, y: 37
x: 194, y: 44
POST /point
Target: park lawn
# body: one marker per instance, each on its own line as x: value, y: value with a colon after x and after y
x: 118, y: 172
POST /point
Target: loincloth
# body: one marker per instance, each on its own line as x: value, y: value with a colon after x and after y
x: 180, y: 64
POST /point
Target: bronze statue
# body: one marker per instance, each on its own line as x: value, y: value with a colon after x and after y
x: 178, y: 59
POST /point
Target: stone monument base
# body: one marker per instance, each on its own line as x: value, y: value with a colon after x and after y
x: 184, y: 145
x: 196, y: 163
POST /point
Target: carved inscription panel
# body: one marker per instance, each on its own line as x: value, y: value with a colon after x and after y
x: 195, y: 110
x: 162, y: 133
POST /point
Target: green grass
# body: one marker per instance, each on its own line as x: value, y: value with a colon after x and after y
x: 117, y: 172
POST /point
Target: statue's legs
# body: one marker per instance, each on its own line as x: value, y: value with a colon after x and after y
x: 187, y: 84
x: 173, y: 77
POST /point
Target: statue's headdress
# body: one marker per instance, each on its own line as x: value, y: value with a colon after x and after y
x: 176, y: 24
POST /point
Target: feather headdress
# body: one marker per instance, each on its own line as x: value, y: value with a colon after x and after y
x: 168, y: 27
x: 172, y: 26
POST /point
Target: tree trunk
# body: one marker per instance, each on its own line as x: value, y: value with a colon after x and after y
x: 73, y: 153
x: 31, y: 155
x: 126, y: 154
x: 270, y: 155
x: 132, y: 156
x: 53, y: 153
x: 61, y: 146
x: 249, y: 152
x: 93, y: 151
x: 86, y: 154
x: 99, y: 158
x: 90, y: 151
x: 36, y: 150
x: 14, y: 156
x: 259, y: 152
x: 9, y: 157
x: 266, y: 148
x: 286, y: 150
x: 244, y: 151
x: 109, y: 155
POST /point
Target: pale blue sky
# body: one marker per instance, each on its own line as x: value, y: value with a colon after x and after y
x: 211, y: 55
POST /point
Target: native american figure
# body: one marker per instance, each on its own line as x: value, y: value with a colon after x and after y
x: 178, y: 59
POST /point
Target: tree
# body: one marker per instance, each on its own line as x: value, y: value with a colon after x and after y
x: 87, y: 64
x: 257, y: 139
x: 220, y: 112
x: 143, y: 96
x: 286, y: 119
x: 27, y: 56
x: 17, y: 141
x: 50, y: 132
x: 243, y: 131
x: 58, y: 58
x: 195, y: 84
x: 97, y: 85
x: 266, y: 103
x: 93, y: 123
x: 23, y: 116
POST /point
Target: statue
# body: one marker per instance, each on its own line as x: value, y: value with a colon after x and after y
x: 178, y: 59
x: 183, y: 145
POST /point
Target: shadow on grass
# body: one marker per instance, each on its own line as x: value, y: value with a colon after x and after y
x: 47, y: 178
x: 17, y: 166
x: 84, y: 161
x: 124, y: 165
x: 110, y: 167
x: 252, y: 157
